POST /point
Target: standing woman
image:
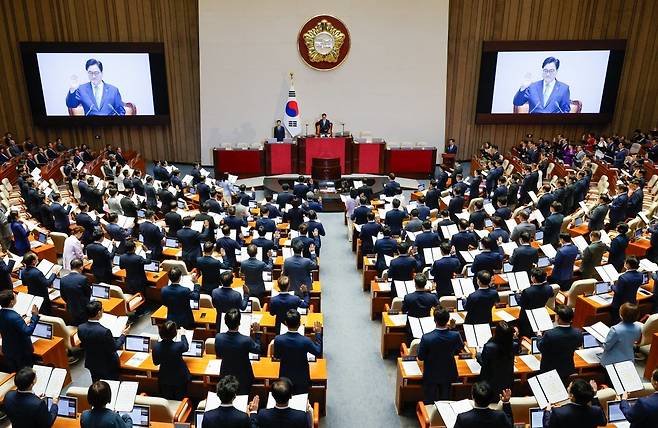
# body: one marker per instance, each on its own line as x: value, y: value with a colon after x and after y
x: 621, y: 338
x: 98, y: 396
x: 73, y: 247
x: 21, y: 243
x: 497, y: 359
x: 174, y: 374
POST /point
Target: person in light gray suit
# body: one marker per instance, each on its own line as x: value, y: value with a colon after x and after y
x: 253, y: 269
x: 523, y: 226
x: 622, y: 337
x: 592, y: 255
x: 114, y: 202
x: 415, y: 224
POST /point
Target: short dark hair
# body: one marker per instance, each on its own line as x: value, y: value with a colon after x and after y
x: 232, y: 319
x: 283, y: 283
x: 175, y: 274
x: 282, y: 390
x: 564, y: 313
x: 582, y: 391
x: 226, y: 278
x: 227, y: 388
x: 441, y: 315
x: 632, y: 262
x: 481, y: 393
x: 6, y: 297
x: 538, y: 273
x: 76, y: 263
x: 420, y: 280
x: 297, y: 246
x: 93, y: 308
x: 484, y: 277
x: 549, y: 60
x: 629, y: 312
x: 99, y: 394
x: 24, y: 378
x: 293, y: 319
x: 93, y: 61
x: 29, y: 259
x: 252, y: 250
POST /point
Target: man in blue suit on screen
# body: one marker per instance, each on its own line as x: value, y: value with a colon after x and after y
x: 546, y: 95
x: 96, y: 97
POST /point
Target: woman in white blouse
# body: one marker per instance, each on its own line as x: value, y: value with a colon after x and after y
x: 73, y: 247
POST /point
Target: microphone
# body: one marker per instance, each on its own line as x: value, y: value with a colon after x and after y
x: 535, y: 107
x: 89, y: 111
x: 116, y: 113
x: 558, y: 106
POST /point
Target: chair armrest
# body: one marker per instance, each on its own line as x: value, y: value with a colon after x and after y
x: 135, y: 301
x: 316, y: 415
x: 423, y: 417
x: 183, y: 411
x: 387, y: 307
x: 75, y: 340
x: 265, y: 307
x: 561, y: 297
x: 645, y: 318
x: 404, y: 350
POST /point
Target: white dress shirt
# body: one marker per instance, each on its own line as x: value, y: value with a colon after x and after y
x: 72, y: 250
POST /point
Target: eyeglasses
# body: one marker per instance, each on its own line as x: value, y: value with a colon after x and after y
x: 549, y: 70
x: 94, y: 73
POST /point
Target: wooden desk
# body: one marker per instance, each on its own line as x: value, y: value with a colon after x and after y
x: 61, y: 422
x: 638, y: 248
x: 113, y: 305
x: 155, y: 282
x: 52, y: 352
x: 652, y: 361
x: 579, y: 230
x: 46, y: 251
x: 369, y: 272
x: 378, y: 299
x: 588, y: 312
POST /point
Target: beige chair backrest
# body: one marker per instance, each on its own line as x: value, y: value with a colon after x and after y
x: 161, y: 409
x: 413, y: 347
x: 580, y: 287
x: 205, y: 301
x: 521, y: 408
x: 396, y: 304
x: 166, y: 265
x: 7, y: 184
x: 565, y: 223
x: 649, y: 327
x: 652, y: 180
x: 549, y: 170
x: 60, y: 329
x: 58, y: 241
x: 646, y: 390
x: 209, y: 344
x: 81, y: 394
x: 448, y: 302
x: 551, y: 302
x: 116, y: 291
x: 604, y: 395
x: 554, y: 180
x: 7, y: 386
x: 509, y: 169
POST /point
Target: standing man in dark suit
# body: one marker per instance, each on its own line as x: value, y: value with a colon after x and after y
x: 626, y: 287
x: 386, y: 246
x: 478, y: 304
x: 618, y: 206
x: 279, y: 131
x: 281, y: 415
x: 101, y: 258
x: 545, y: 200
x: 534, y: 297
x: 474, y: 186
x: 252, y: 269
x: 285, y: 196
x: 226, y: 415
x: 177, y: 299
x: 443, y: 270
x: 598, y: 213
x: 173, y: 374
x: 553, y: 224
x: 284, y: 301
x: 152, y: 235
x: 644, y: 414
x: 456, y: 205
x: 419, y: 303
x: 592, y: 255
x: 100, y: 347
x: 23, y: 408
x: 489, y: 260
x: 558, y: 344
x: 173, y: 220
x: 479, y: 216
x: 463, y: 240
x: 617, y: 253
x: 60, y: 214
x: 16, y: 344
x: 524, y: 257
x: 116, y: 233
x: 84, y: 219
x: 583, y: 411
x: 493, y: 176
x: 190, y: 240
x: 451, y: 148
x: 76, y: 292
x: 635, y: 200
x: 438, y: 349
x: 229, y: 245
x: 369, y: 229
x: 292, y: 349
x: 403, y: 267
x: 563, y: 262
x: 37, y: 284
x: 392, y: 187
x: 481, y: 416
x: 225, y: 298
x: 299, y: 269
x: 210, y: 268
x: 395, y: 217
x: 134, y: 266
x: 128, y: 206
x: 233, y: 348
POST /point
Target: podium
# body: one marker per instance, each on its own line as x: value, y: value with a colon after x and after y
x: 368, y: 158
x: 448, y: 160
x: 241, y: 162
x: 411, y: 162
x: 280, y: 158
x: 324, y: 169
x: 326, y: 148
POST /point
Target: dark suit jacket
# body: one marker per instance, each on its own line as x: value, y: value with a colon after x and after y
x: 291, y: 349
x: 626, y: 288
x: 190, y: 240
x: 177, y: 300
x: 228, y: 417
x: 617, y: 253
x: 61, y: 217
x: 478, y: 305
x: 368, y: 230
x: 278, y: 418
x: 385, y: 246
x: 209, y: 267
x: 575, y: 415
x: 234, y: 348
x: 135, y: 274
x: 174, y: 221
x: 523, y: 257
x: 76, y: 293
x: 298, y: 270
x: 419, y: 303
x: 557, y: 347
x: 84, y: 220
x: 394, y: 220
x: 38, y: 285
x: 169, y: 356
x: 6, y: 283
x: 229, y: 245
x: 103, y: 417
x: 224, y: 299
x: 16, y: 343
x: 564, y: 261
x: 488, y: 261
x: 558, y: 101
x: 497, y: 366
x: 534, y: 297
x: 644, y: 414
x: 442, y: 271
x: 437, y: 349
x: 100, y: 349
x: 544, y: 204
x: 391, y: 188
x: 102, y: 258
x: 552, y: 226
x: 282, y: 302
x: 110, y: 105
x: 402, y: 268
x: 486, y: 418
x: 597, y: 217
x: 152, y: 238
x: 253, y: 269
x: 618, y: 208
x: 592, y: 256
x: 26, y: 410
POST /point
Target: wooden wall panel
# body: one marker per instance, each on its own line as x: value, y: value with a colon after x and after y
x: 473, y: 21
x: 172, y: 22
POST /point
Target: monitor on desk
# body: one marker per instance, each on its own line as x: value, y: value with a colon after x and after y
x: 141, y: 214
x: 100, y: 291
x: 198, y: 418
x: 43, y: 330
x: 614, y: 410
x: 590, y: 341
x: 56, y: 283
x: 192, y: 191
x: 602, y: 288
x: 543, y: 262
x: 578, y: 221
x: 43, y: 238
x: 195, y: 349
x: 135, y: 343
x: 507, y: 268
x: 539, y: 235
x: 513, y: 300
x: 535, y: 347
x: 140, y: 416
x: 460, y: 305
x: 171, y: 243
x: 536, y: 417
x: 152, y: 267
x: 116, y: 260
x: 181, y: 204
x: 67, y: 406
x: 645, y: 277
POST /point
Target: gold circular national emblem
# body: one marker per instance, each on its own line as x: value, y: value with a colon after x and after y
x: 323, y: 42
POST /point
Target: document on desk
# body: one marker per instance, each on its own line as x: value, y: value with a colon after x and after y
x: 548, y: 388
x: 599, y: 331
x: 539, y: 319
x: 125, y: 399
x: 477, y: 334
x: 384, y: 286
x: 624, y: 377
x: 531, y: 361
x: 548, y: 250
x: 459, y: 320
x: 137, y: 359
x: 398, y: 320
x: 411, y: 368
x: 449, y: 410
x: 505, y: 316
x: 213, y: 367
x: 473, y: 366
x: 608, y: 273
x: 648, y: 266
x: 462, y: 287
x: 420, y: 326
x: 602, y: 299
x: 590, y: 355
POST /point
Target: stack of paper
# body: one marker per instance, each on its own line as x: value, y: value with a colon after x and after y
x: 548, y: 250
x: 608, y: 273
x: 469, y: 256
x: 432, y: 255
x: 213, y: 367
x: 579, y: 241
x: 420, y: 326
x: 473, y: 366
x: 411, y: 368
x: 590, y: 355
x: 24, y: 302
x: 49, y: 381
x: 477, y: 334
x: 531, y: 361
x: 539, y: 319
x: 123, y: 395
x: 450, y: 410
x: 113, y: 323
x: 402, y: 288
x: 548, y: 388
x: 518, y: 281
x: 624, y: 377
x: 508, y: 247
x: 462, y: 287
x: 599, y: 331
x: 648, y: 266
x: 449, y: 230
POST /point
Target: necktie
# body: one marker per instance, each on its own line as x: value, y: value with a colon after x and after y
x: 547, y: 93
x: 97, y: 94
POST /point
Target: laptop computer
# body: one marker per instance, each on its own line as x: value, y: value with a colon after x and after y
x: 195, y: 350
x: 543, y: 262
x: 536, y: 417
x: 140, y: 416
x: 100, y: 291
x: 43, y: 238
x: 136, y: 343
x: 507, y: 268
x: 56, y: 284
x: 116, y: 260
x: 67, y: 406
x: 539, y: 235
x: 181, y: 204
x: 615, y: 415
x: 43, y: 330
